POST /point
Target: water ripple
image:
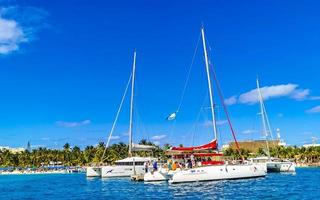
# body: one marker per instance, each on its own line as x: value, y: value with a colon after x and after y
x: 302, y: 185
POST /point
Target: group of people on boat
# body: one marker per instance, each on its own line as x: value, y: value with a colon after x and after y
x: 179, y: 162
x: 148, y: 164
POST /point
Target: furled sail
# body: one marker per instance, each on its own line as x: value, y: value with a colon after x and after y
x: 210, y: 146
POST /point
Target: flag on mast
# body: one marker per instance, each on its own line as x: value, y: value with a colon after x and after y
x: 172, y: 116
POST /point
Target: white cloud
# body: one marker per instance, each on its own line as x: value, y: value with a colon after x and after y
x: 249, y: 131
x: 267, y: 92
x: 221, y: 122
x: 37, y: 146
x: 274, y: 91
x: 19, y: 25
x: 280, y: 115
x: 208, y: 123
x: 11, y: 36
x: 158, y: 137
x: 156, y: 143
x: 72, y: 124
x: 230, y: 101
x: 115, y: 137
x: 314, y: 98
x: 125, y: 134
x: 315, y: 109
x: 300, y: 94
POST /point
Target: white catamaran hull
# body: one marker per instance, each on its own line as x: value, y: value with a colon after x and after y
x: 262, y: 166
x: 121, y: 171
x: 160, y: 175
x: 275, y: 166
x: 221, y: 172
x: 93, y: 172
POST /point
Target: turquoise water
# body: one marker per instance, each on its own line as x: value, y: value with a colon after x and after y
x: 305, y: 184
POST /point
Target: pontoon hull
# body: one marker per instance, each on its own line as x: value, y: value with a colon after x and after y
x: 93, y: 171
x: 274, y: 166
x: 222, y: 172
x: 121, y: 171
x: 160, y: 175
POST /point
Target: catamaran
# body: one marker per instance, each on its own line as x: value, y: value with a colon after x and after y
x: 204, y: 161
x: 131, y: 165
x: 271, y: 164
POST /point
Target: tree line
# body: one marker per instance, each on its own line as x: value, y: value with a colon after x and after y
x: 73, y: 156
x: 299, y: 154
x: 93, y: 154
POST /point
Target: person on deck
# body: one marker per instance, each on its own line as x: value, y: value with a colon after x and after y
x: 155, y: 166
x: 169, y: 165
x: 174, y: 166
x: 189, y: 164
x: 146, y: 166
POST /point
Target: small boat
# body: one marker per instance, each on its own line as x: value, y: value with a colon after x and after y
x: 272, y: 164
x: 130, y: 165
x: 126, y: 167
x: 281, y: 166
x: 261, y: 161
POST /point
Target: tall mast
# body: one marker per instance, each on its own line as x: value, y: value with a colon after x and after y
x: 263, y: 117
x: 209, y: 83
x: 131, y: 102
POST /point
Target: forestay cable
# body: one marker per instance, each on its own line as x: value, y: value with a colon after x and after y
x: 116, y: 118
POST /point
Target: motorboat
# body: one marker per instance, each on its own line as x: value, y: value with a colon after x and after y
x: 272, y: 164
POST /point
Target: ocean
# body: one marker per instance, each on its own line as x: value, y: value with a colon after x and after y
x: 304, y: 184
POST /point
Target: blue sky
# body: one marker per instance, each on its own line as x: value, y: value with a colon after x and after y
x: 64, y: 66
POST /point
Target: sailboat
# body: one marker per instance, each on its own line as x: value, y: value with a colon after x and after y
x: 271, y: 164
x: 210, y: 169
x: 131, y: 165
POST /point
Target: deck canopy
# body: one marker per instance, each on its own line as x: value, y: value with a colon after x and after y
x: 210, y: 146
x: 141, y: 147
x: 202, y: 148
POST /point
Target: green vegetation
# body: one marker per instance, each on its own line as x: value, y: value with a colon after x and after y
x: 72, y: 156
x: 299, y: 154
x: 77, y: 157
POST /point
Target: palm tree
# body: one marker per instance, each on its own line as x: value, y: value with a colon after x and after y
x: 66, y: 146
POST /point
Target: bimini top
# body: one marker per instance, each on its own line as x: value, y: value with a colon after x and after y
x: 142, y: 147
x: 210, y: 146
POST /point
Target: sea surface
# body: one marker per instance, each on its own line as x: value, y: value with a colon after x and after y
x: 304, y: 184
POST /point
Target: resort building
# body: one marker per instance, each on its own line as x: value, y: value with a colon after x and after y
x: 254, y: 145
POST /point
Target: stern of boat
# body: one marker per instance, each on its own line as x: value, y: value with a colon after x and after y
x: 93, y: 171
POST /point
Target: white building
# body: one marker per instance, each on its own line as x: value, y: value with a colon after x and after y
x: 311, y: 145
x: 12, y: 150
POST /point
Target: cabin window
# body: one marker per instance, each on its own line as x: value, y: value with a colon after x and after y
x: 129, y: 163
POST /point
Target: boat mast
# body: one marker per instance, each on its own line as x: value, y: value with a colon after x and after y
x: 131, y: 102
x: 209, y: 83
x: 263, y: 118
